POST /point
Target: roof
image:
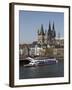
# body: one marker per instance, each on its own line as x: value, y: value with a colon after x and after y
x: 23, y: 45
x: 34, y: 42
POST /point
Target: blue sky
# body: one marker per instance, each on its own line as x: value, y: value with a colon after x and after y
x: 30, y: 22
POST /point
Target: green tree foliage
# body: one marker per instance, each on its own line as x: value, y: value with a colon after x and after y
x: 49, y: 52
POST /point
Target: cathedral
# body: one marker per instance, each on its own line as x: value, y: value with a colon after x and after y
x: 47, y: 37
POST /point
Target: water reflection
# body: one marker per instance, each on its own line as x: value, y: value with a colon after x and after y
x: 52, y: 70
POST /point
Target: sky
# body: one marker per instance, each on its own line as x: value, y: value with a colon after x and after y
x: 30, y: 22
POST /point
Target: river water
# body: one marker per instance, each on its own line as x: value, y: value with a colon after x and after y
x: 46, y: 71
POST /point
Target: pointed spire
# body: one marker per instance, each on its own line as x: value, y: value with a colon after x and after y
x: 42, y: 30
x: 49, y: 30
x: 53, y: 31
x: 49, y: 26
x: 41, y: 27
x: 53, y: 28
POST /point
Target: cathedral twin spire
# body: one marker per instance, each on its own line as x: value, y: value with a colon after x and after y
x: 53, y: 27
x: 51, y: 32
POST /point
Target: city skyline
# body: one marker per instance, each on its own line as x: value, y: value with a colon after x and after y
x: 30, y: 22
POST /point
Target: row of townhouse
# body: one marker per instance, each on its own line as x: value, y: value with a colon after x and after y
x: 36, y: 49
x: 32, y: 50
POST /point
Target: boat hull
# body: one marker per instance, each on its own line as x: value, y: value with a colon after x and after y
x: 41, y: 63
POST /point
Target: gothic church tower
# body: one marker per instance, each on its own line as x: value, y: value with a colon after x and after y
x: 41, y: 35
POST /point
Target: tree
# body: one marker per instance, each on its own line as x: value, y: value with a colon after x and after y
x: 49, y: 52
